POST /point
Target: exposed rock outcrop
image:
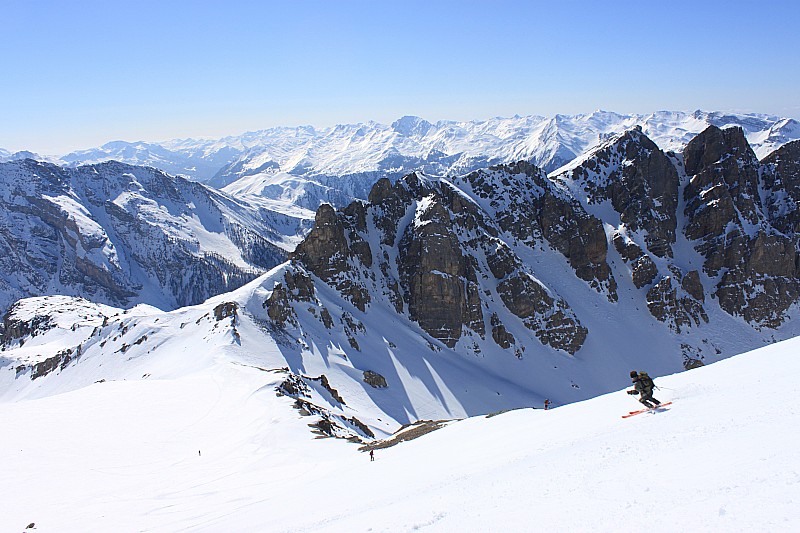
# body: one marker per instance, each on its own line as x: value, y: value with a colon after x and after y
x: 502, y: 337
x: 15, y: 328
x: 668, y: 303
x: 442, y: 295
x: 374, y: 380
x: 332, y: 255
x: 754, y: 263
x: 297, y: 287
x: 437, y: 248
x: 225, y: 310
x: 532, y: 208
x: 641, y: 184
x: 781, y: 175
x: 643, y: 269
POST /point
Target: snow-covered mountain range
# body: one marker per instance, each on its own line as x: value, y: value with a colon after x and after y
x: 121, y: 235
x: 494, y: 289
x: 283, y: 175
x: 347, y: 159
x: 433, y: 299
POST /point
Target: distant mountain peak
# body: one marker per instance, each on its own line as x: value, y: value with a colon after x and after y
x: 410, y: 125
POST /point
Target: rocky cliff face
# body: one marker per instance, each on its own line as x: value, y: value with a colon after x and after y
x: 736, y: 216
x: 641, y: 184
x: 781, y: 178
x: 426, y: 249
x: 534, y: 209
x: 122, y: 235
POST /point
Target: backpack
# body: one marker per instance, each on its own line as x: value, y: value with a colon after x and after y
x: 647, y: 381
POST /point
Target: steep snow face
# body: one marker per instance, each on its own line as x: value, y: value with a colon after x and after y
x: 122, y: 235
x: 184, y: 431
x: 284, y: 192
x: 54, y: 345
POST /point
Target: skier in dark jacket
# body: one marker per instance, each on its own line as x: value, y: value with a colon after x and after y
x: 643, y: 386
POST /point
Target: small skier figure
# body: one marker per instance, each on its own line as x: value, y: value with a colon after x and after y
x: 643, y: 386
x: 546, y: 404
x: 372, y: 455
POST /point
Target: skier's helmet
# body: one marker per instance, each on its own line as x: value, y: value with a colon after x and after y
x: 634, y: 373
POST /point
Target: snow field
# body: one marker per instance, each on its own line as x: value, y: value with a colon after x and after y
x: 123, y: 456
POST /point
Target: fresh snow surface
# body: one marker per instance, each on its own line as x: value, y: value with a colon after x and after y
x: 186, y: 433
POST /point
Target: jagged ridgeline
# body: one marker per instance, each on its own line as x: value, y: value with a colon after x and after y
x: 698, y: 248
x: 430, y: 251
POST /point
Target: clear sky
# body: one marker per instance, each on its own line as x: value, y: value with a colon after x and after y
x: 76, y: 74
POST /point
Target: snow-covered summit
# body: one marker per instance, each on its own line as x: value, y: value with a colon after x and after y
x: 410, y: 125
x: 6, y: 156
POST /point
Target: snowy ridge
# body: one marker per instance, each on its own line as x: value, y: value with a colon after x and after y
x: 112, y: 344
x: 123, y: 235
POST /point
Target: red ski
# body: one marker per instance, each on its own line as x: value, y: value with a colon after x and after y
x: 640, y: 411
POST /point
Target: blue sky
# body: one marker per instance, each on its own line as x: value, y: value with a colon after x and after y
x: 79, y: 74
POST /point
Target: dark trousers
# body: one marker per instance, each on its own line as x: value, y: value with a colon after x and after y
x: 647, y: 399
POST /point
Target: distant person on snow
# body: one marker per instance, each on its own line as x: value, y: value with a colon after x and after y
x: 372, y: 455
x: 643, y: 386
x: 546, y: 404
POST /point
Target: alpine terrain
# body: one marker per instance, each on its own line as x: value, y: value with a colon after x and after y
x: 439, y: 298
x: 435, y: 298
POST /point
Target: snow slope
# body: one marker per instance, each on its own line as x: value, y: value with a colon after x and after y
x: 190, y: 436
